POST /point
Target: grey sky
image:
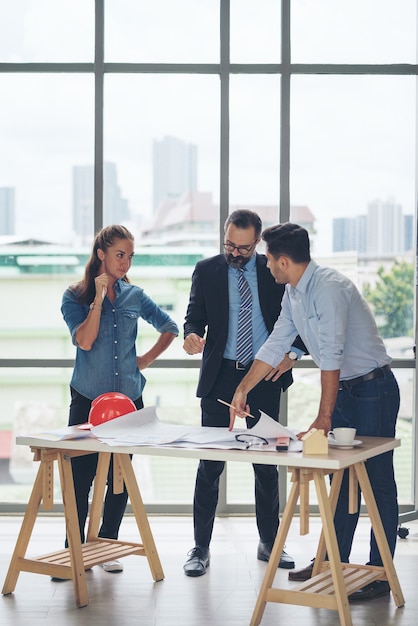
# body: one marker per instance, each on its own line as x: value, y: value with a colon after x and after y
x: 353, y: 137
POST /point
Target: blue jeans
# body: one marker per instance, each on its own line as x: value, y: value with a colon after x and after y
x: 372, y: 408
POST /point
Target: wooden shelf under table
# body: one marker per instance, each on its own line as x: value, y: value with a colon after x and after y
x: 72, y: 562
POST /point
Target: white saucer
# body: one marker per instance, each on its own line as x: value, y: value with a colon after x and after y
x: 344, y: 446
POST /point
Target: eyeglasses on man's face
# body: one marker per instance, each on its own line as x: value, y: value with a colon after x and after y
x: 243, y: 250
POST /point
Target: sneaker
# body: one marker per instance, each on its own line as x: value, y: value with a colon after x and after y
x: 112, y: 566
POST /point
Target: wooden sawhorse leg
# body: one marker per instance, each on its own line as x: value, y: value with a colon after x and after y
x: 140, y: 515
x: 42, y: 491
x: 359, y: 476
x: 327, y: 507
x: 276, y: 552
x: 123, y: 473
x: 73, y: 530
x: 331, y: 581
x: 71, y: 562
x: 379, y: 533
x: 24, y: 534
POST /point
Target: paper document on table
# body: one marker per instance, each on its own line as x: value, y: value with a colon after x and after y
x: 268, y: 428
x: 140, y: 427
x: 63, y: 434
x: 144, y: 428
x: 201, y: 435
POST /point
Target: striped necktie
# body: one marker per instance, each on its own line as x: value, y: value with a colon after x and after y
x: 245, y: 333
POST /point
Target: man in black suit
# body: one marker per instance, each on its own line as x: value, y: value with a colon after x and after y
x: 211, y: 328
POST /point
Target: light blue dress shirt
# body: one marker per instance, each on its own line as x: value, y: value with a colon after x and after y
x: 333, y: 320
x: 111, y: 365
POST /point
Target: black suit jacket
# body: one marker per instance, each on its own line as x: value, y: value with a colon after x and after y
x: 208, y: 311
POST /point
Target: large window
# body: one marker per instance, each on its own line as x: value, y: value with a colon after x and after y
x: 165, y: 116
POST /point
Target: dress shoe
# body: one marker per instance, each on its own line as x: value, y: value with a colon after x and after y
x: 376, y: 589
x: 198, y: 562
x: 264, y: 551
x: 304, y: 573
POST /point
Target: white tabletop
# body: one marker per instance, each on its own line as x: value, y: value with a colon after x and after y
x: 335, y: 459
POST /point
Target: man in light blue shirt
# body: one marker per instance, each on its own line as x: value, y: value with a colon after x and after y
x: 358, y: 388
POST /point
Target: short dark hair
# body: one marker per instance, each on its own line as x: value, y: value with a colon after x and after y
x: 244, y: 218
x: 288, y: 239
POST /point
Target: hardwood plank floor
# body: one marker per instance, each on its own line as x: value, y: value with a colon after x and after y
x: 225, y: 596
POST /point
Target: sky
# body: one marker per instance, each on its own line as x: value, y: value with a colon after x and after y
x: 352, y: 137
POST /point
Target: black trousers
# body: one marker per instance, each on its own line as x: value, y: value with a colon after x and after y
x: 84, y: 470
x: 265, y: 396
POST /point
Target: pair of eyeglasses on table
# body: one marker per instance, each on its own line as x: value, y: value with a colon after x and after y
x: 251, y: 441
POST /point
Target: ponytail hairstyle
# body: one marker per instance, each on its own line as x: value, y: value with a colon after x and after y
x: 105, y: 238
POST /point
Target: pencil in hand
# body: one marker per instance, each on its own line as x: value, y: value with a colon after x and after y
x: 233, y: 407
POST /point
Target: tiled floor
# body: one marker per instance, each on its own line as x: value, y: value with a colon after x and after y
x: 225, y: 596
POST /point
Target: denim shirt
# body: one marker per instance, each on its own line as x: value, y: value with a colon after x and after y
x: 111, y: 365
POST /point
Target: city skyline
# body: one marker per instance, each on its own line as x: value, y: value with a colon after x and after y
x: 352, y: 136
x: 348, y: 233
x: 174, y: 169
x: 383, y: 231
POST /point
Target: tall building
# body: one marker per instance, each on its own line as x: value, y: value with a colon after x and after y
x: 7, y: 211
x: 383, y: 232
x: 361, y: 233
x: 350, y: 233
x: 384, y: 228
x: 343, y: 231
x: 174, y: 169
x: 115, y: 208
x: 408, y: 232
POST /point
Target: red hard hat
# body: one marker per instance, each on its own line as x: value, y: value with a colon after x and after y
x: 108, y: 406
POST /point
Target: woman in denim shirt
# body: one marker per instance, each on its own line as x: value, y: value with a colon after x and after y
x: 101, y: 312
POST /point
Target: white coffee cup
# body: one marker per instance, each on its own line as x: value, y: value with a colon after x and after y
x: 343, y: 436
